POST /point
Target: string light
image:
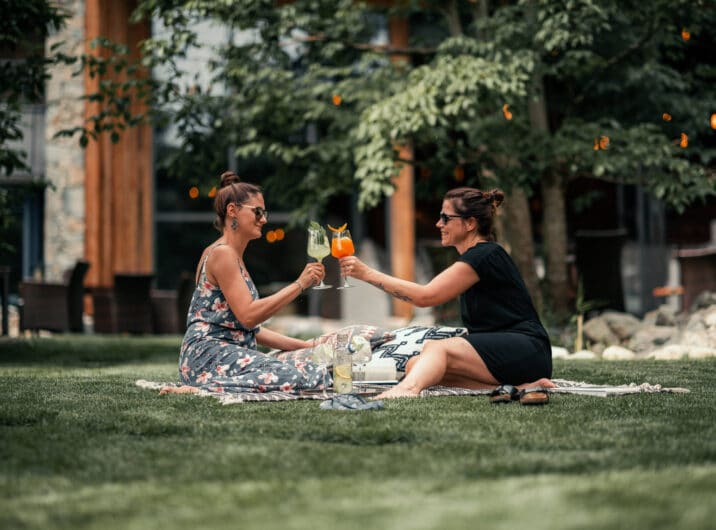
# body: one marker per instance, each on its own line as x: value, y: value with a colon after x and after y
x: 212, y: 192
x: 684, y: 143
x: 459, y: 173
x: 601, y: 143
x: 271, y: 236
x: 280, y: 234
x: 337, y: 100
x: 666, y: 116
x: 506, y: 111
x: 193, y: 192
x: 713, y: 120
x: 685, y: 34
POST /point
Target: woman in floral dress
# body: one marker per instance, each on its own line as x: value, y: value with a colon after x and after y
x: 219, y: 352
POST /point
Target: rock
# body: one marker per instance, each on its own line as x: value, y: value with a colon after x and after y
x: 672, y: 352
x: 623, y: 325
x: 704, y: 300
x: 597, y: 330
x: 665, y: 316
x: 649, y: 337
x: 696, y: 322
x: 699, y: 337
x: 559, y: 352
x: 662, y: 334
x: 699, y: 352
x: 650, y: 318
x: 709, y: 317
x: 617, y: 353
x: 597, y: 348
x: 584, y: 355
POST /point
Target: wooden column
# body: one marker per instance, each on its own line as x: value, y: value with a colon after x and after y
x: 119, y: 184
x: 402, y: 202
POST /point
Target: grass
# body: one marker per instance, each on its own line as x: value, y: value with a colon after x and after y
x: 82, y: 447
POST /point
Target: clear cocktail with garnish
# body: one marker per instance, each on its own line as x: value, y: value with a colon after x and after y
x: 318, y: 247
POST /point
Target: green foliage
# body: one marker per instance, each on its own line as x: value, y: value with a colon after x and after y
x: 24, y: 27
x: 438, y: 99
x: 641, y: 154
x: 115, y: 99
x: 302, y: 91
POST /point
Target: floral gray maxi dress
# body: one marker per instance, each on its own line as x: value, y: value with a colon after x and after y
x: 219, y: 354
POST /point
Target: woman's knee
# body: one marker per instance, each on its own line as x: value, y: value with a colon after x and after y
x: 431, y: 348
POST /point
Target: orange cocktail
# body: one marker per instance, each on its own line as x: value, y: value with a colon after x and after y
x: 341, y: 247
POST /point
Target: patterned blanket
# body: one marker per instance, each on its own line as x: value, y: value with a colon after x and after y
x: 563, y: 387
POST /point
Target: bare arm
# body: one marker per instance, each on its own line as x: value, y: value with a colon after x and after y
x: 222, y: 268
x: 273, y: 339
x: 447, y: 285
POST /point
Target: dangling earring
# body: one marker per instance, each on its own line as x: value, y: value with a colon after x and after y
x: 234, y: 224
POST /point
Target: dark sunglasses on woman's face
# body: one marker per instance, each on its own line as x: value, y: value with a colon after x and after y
x: 445, y: 218
x: 258, y: 211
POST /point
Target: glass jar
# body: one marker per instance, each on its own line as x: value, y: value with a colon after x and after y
x: 342, y: 371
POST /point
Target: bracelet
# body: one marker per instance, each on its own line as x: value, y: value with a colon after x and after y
x: 299, y: 285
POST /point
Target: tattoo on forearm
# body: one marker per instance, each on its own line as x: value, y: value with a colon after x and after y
x: 400, y: 296
x: 396, y: 294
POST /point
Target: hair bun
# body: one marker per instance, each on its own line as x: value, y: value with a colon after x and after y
x: 495, y: 196
x: 228, y: 178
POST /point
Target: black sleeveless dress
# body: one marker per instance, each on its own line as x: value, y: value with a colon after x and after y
x: 503, y: 325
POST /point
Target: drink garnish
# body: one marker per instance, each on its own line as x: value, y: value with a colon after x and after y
x: 313, y: 225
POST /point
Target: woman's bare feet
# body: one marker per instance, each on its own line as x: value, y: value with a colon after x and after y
x: 398, y: 391
x: 544, y: 383
x: 184, y: 389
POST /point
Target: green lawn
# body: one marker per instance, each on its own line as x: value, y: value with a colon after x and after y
x: 82, y: 447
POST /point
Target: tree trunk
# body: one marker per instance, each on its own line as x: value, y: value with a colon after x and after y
x: 518, y: 230
x: 554, y: 227
x: 554, y: 222
x: 452, y: 16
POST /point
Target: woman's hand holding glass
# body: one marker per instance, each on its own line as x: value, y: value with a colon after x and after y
x: 341, y: 246
x: 318, y: 248
x: 313, y: 274
x: 353, y: 267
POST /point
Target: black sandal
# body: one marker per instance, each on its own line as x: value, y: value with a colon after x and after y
x: 504, y: 394
x: 534, y: 396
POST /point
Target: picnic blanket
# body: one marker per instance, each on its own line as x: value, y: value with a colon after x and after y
x: 563, y: 387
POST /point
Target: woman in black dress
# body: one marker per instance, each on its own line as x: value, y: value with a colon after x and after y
x: 507, y: 348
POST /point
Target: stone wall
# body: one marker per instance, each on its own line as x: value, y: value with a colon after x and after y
x: 65, y: 166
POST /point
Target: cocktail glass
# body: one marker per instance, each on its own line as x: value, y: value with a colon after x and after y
x: 322, y: 355
x: 318, y: 248
x: 341, y: 246
x: 343, y: 362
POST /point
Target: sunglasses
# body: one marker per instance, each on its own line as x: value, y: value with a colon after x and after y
x: 258, y: 211
x: 445, y: 218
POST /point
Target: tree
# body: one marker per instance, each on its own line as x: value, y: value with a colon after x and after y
x: 285, y: 94
x: 580, y: 55
x: 24, y: 68
x: 526, y: 95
